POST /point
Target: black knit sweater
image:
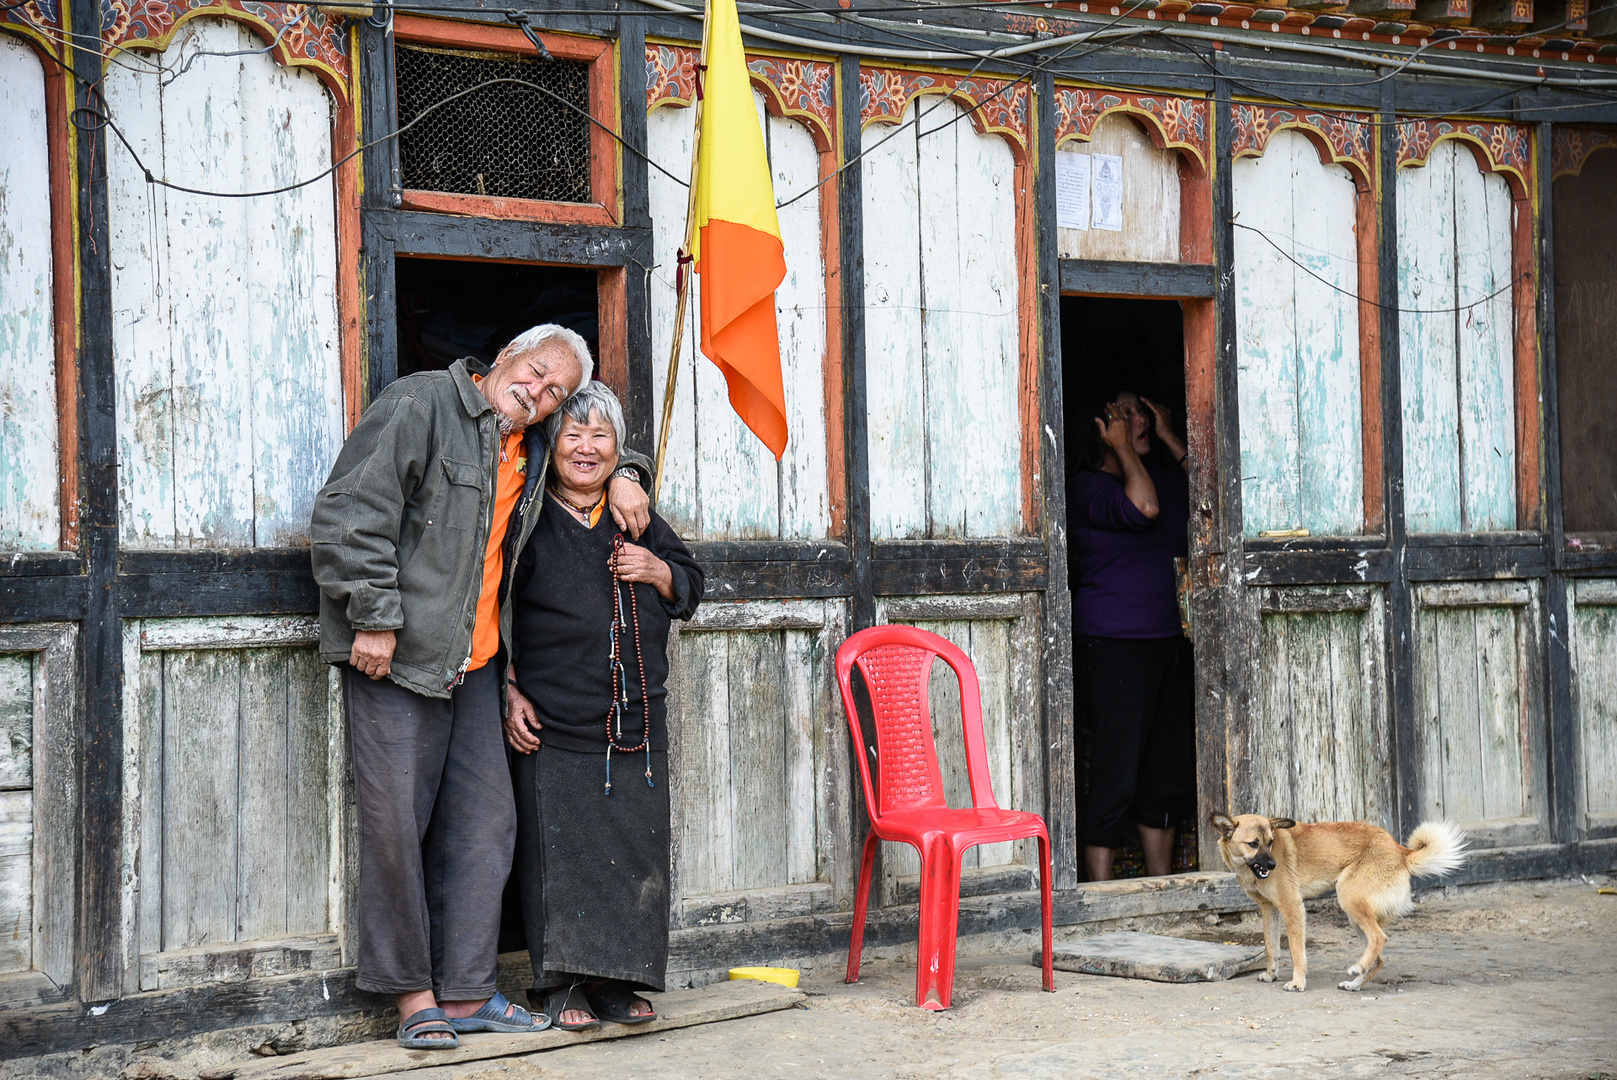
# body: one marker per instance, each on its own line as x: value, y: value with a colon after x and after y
x: 561, y: 626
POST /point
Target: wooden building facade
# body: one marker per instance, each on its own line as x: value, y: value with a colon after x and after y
x: 1382, y: 229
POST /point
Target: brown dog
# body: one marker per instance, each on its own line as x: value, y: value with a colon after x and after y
x: 1281, y: 863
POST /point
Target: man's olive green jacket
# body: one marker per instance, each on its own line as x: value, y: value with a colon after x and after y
x: 401, y: 527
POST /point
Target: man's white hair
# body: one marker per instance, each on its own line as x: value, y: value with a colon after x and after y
x: 595, y: 399
x: 529, y: 340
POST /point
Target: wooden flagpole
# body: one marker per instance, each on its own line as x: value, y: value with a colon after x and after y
x: 681, y: 278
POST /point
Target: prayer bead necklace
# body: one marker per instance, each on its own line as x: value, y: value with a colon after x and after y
x: 620, y: 678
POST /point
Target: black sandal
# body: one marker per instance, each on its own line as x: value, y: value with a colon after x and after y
x: 614, y: 1001
x: 565, y: 999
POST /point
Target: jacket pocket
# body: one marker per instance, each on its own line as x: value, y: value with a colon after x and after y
x: 463, y: 495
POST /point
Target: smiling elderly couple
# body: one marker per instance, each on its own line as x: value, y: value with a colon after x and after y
x: 473, y: 580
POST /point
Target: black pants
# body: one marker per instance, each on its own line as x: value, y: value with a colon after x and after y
x: 1138, y: 695
x: 437, y: 828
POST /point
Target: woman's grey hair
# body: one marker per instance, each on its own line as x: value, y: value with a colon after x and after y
x: 593, y: 398
x: 529, y: 340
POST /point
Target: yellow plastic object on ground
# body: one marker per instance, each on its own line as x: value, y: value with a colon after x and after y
x: 784, y: 976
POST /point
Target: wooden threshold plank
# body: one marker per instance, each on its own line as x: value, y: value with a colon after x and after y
x: 676, y: 1009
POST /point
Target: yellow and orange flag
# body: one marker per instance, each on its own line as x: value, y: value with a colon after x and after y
x: 735, y: 236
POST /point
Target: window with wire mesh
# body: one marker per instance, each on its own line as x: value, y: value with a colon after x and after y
x: 511, y: 134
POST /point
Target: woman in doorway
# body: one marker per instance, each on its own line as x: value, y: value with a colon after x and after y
x: 1132, y: 663
x: 587, y: 719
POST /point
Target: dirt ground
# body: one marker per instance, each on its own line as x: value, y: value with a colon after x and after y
x: 1512, y: 981
x: 1517, y: 982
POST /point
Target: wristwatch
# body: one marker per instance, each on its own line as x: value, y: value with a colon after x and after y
x: 627, y: 472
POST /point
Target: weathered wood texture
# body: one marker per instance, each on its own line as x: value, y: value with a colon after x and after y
x: 30, y: 507
x: 1150, y: 230
x: 941, y: 328
x: 1479, y: 665
x: 1455, y: 233
x: 720, y: 482
x: 1320, y: 738
x: 1594, y: 696
x: 759, y: 761
x: 1585, y: 237
x: 1298, y: 341
x: 39, y: 811
x: 1000, y: 634
x: 1136, y: 278
x: 236, y: 845
x: 225, y: 332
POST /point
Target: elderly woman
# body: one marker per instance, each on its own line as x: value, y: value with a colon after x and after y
x: 587, y: 718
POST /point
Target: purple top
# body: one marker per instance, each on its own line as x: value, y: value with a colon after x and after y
x: 1124, y: 560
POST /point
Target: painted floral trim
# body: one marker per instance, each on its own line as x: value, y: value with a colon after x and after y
x: 1350, y: 140
x: 312, y: 38
x: 804, y: 89
x: 998, y: 106
x: 46, y: 14
x: 1507, y: 145
x: 1180, y: 122
x: 1570, y: 148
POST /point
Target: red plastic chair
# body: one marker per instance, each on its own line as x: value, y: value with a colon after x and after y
x: 906, y: 803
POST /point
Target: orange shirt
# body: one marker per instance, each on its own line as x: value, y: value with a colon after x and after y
x: 507, y: 490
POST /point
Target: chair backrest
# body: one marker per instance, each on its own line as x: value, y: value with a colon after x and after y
x: 896, y: 662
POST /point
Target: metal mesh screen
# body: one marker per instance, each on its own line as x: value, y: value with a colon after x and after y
x: 506, y: 140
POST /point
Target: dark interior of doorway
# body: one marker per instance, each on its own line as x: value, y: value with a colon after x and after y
x: 1110, y: 344
x: 448, y: 309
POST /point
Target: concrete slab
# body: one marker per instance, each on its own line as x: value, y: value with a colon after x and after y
x: 1132, y: 955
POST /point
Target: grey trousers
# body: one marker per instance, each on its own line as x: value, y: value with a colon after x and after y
x: 437, y: 828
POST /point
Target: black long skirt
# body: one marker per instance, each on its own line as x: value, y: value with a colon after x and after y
x: 592, y: 868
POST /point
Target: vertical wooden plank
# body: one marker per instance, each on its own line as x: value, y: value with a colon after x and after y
x: 836, y: 786
x: 1151, y: 201
x: 708, y: 822
x: 147, y: 672
x: 969, y: 289
x: 800, y: 681
x: 1266, y: 343
x: 1381, y: 805
x: 1272, y: 737
x: 1315, y: 746
x: 1429, y: 727
x: 30, y: 507
x: 1427, y: 344
x: 201, y: 704
x: 1324, y: 212
x: 16, y: 721
x: 800, y: 312
x: 1355, y: 775
x: 670, y: 134
x: 290, y: 286
x: 990, y: 652
x: 1503, y: 733
x: 260, y: 825
x: 1596, y: 697
x: 895, y: 404
x: 308, y: 814
x: 1485, y: 336
x: 16, y: 881
x: 758, y: 760
x: 1455, y: 669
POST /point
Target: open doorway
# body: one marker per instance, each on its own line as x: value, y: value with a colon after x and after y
x: 448, y: 309
x: 1110, y: 345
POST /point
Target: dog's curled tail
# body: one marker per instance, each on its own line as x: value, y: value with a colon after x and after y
x: 1435, y: 848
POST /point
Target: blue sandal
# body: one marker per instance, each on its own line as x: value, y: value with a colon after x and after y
x: 492, y: 1017
x: 415, y: 1029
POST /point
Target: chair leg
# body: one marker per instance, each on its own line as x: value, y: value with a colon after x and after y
x: 940, y: 918
x: 861, y: 904
x: 1046, y: 905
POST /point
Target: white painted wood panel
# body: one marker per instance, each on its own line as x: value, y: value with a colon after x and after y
x: 1150, y: 230
x: 720, y: 482
x: 225, y: 329
x: 1594, y: 622
x: 30, y: 511
x: 1298, y: 342
x: 943, y: 416
x: 16, y: 881
x: 1455, y: 232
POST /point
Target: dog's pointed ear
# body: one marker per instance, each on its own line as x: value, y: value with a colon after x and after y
x: 1223, y: 823
x: 1281, y: 823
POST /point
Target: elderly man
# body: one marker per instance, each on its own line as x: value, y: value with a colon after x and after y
x: 415, y: 536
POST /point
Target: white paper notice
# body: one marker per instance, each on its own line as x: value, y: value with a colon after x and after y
x: 1106, y: 197
x: 1072, y: 190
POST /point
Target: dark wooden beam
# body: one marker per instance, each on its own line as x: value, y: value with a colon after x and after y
x: 855, y: 430
x: 956, y: 570
x: 451, y: 236
x: 1317, y: 567
x: 1502, y: 14
x: 44, y: 598
x: 639, y: 408
x: 1170, y: 280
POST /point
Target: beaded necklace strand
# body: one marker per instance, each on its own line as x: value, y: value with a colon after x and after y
x: 620, y: 677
